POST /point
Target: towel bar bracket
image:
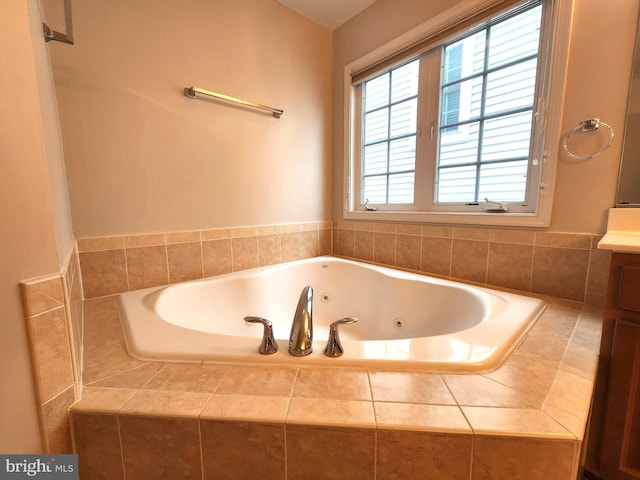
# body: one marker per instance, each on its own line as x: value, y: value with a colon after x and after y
x: 50, y: 34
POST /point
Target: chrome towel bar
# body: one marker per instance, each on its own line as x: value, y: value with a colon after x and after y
x: 191, y: 93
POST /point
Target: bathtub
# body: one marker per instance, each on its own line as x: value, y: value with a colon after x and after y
x: 406, y: 321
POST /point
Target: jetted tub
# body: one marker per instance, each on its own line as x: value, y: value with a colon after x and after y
x: 406, y: 321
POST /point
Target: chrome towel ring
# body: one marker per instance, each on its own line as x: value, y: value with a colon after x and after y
x: 589, y: 125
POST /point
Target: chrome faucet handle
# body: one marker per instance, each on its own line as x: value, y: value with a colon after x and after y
x: 268, y: 344
x: 334, y: 347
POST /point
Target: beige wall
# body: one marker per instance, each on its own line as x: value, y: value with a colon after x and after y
x: 29, y: 219
x: 143, y: 158
x: 602, y: 41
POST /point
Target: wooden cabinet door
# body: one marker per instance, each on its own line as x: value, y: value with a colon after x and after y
x: 620, y: 448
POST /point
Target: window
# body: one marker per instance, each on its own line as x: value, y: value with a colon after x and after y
x: 458, y: 127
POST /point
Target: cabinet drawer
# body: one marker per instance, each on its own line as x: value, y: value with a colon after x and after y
x: 629, y: 290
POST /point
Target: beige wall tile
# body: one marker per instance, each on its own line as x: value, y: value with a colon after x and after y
x: 518, y: 237
x: 236, y: 450
x: 245, y: 253
x: 436, y: 255
x: 185, y: 262
x: 588, y: 330
x: 103, y: 359
x: 363, y: 249
x: 385, y: 227
x: 133, y: 378
x: 103, y: 273
x: 167, y: 445
x: 423, y: 455
x: 563, y: 240
x: 245, y: 232
x: 55, y: 418
x: 510, y: 265
x: 147, y: 267
x: 216, y: 257
x: 269, y: 247
x: 331, y: 412
x: 309, y: 227
x: 325, y: 242
x: 269, y: 381
x: 408, y: 229
x: 580, y: 361
x: 417, y: 417
x: 469, y: 260
x: 102, y: 400
x: 187, y: 377
x: 309, y: 244
x: 182, y: 237
x: 133, y: 241
x: 572, y: 423
x: 384, y: 247
x: 599, y: 263
x: 471, y: 233
x: 97, y: 443
x: 345, y: 244
x: 482, y: 391
x: 330, y: 453
x: 289, y: 228
x: 40, y: 295
x: 165, y: 404
x: 409, y: 388
x: 508, y: 458
x: 437, y: 231
x: 334, y: 383
x: 561, y: 272
x: 290, y: 246
x: 246, y: 408
x: 529, y: 374
x: 100, y: 243
x: 50, y: 349
x: 528, y: 422
x: 268, y: 230
x: 408, y: 249
x: 365, y: 227
x: 571, y: 393
x: 215, y: 234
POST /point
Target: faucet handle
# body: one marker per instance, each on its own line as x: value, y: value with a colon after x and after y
x: 334, y: 347
x: 268, y: 344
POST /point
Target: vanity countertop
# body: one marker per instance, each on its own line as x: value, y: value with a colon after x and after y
x: 623, y: 231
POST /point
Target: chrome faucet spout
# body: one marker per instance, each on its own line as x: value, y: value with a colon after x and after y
x: 302, y: 327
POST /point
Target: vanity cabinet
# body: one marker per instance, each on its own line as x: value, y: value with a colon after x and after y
x: 615, y: 432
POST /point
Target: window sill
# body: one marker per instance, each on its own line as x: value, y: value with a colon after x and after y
x: 466, y: 218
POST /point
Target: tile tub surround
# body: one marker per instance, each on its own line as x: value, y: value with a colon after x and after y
x: 525, y: 420
x: 118, y: 264
x: 565, y: 265
x: 53, y: 315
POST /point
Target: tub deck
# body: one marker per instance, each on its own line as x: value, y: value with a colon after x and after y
x: 526, y: 419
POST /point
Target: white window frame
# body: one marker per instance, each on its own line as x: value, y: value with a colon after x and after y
x: 548, y: 113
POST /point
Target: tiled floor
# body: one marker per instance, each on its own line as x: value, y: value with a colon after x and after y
x: 398, y: 424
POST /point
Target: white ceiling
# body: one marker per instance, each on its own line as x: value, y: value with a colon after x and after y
x: 329, y: 13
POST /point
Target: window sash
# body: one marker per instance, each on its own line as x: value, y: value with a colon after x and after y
x: 427, y: 182
x: 547, y: 121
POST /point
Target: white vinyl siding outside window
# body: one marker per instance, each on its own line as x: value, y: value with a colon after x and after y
x: 488, y: 89
x: 457, y: 124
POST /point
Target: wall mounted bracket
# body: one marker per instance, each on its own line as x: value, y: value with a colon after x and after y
x: 50, y: 34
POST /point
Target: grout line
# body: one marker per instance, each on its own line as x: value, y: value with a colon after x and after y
x: 586, y: 280
x: 201, y: 449
x: 124, y: 473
